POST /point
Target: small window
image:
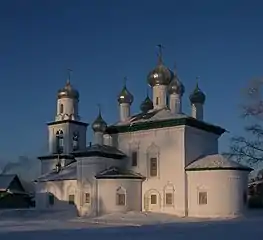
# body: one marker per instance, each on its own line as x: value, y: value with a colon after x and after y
x: 202, y: 198
x: 153, y: 199
x: 157, y: 101
x: 51, y: 199
x: 153, y: 167
x: 75, y: 141
x: 168, y: 198
x: 134, y: 159
x: 121, y: 199
x: 87, y: 197
x: 71, y: 199
x: 61, y: 108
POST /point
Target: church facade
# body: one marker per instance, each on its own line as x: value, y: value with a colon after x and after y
x: 158, y: 160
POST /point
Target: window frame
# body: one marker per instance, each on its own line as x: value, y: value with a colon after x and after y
x: 201, y: 200
x: 120, y: 199
x: 134, y: 158
x: 153, y: 197
x: 171, y: 197
x: 151, y: 167
x: 70, y: 201
x: 87, y: 198
x: 61, y: 108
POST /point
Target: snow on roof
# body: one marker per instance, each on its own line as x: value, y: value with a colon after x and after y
x: 216, y: 161
x: 5, y: 180
x: 115, y: 172
x: 67, y: 173
x: 152, y: 115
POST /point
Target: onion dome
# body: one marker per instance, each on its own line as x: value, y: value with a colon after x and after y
x: 125, y: 96
x: 68, y: 92
x: 197, y: 96
x: 99, y: 125
x: 176, y: 86
x: 160, y: 75
x: 146, y: 105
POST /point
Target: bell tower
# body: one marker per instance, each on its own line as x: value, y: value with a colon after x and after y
x: 67, y: 133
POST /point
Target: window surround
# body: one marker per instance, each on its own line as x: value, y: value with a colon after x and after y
x: 202, y: 197
x: 153, y: 152
x: 121, y: 197
x: 71, y: 199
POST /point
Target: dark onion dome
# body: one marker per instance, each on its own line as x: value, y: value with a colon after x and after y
x: 146, y: 105
x: 176, y: 86
x: 197, y: 96
x: 99, y: 125
x: 125, y: 96
x: 68, y: 92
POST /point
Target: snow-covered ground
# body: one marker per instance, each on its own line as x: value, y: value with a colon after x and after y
x: 35, y: 225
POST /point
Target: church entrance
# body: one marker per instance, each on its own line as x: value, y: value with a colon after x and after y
x: 152, y: 201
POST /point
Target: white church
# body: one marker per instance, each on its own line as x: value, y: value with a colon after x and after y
x: 158, y: 160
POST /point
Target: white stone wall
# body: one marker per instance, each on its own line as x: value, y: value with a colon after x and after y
x: 225, y: 193
x: 70, y: 109
x: 167, y: 144
x: 199, y: 143
x: 68, y: 131
x: 107, y: 195
x: 61, y: 191
x: 87, y: 168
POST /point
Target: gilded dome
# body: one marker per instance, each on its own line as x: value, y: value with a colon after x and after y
x: 68, y: 92
x: 197, y: 96
x: 146, y: 105
x: 160, y: 75
x: 125, y: 96
x: 176, y: 86
x: 99, y: 125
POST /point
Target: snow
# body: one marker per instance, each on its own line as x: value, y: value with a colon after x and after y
x: 215, y: 161
x: 31, y: 224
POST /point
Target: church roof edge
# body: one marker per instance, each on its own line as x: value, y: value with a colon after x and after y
x: 188, y: 121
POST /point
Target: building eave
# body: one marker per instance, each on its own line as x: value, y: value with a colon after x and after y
x: 120, y: 177
x: 56, y: 156
x: 68, y: 121
x: 98, y: 154
x: 186, y: 121
x: 247, y: 169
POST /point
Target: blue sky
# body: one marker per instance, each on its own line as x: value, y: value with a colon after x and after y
x: 105, y: 40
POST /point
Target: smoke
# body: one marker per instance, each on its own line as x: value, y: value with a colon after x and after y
x: 27, y: 169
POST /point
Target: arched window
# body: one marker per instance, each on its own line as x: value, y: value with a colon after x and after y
x: 75, y: 141
x: 59, y: 141
x: 61, y: 108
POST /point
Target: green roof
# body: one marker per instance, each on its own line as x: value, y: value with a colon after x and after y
x: 184, y: 121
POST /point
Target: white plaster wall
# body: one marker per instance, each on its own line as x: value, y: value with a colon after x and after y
x: 107, y: 190
x: 68, y: 131
x: 175, y: 103
x: 225, y: 192
x: 70, y: 109
x: 60, y: 189
x: 167, y: 144
x: 159, y: 92
x: 199, y: 143
x: 87, y: 168
x: 124, y: 111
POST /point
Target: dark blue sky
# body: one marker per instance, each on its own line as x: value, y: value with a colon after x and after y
x: 105, y: 40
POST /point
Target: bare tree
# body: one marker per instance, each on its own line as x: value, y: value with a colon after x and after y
x: 249, y: 149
